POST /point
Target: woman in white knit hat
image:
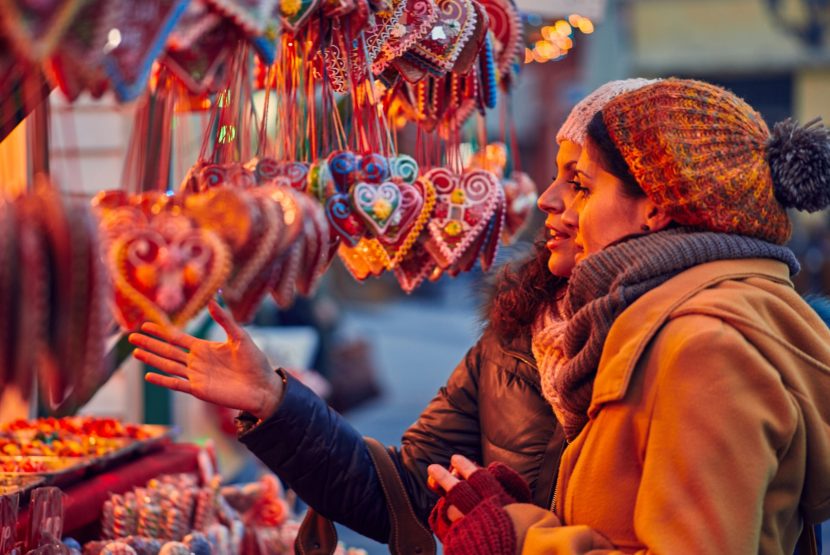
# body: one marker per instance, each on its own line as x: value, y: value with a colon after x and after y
x: 491, y: 409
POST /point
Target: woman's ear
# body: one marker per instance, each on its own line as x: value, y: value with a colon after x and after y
x: 655, y: 216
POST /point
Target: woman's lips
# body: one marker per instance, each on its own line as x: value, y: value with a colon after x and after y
x: 556, y: 238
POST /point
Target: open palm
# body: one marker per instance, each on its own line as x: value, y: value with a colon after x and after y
x: 233, y: 374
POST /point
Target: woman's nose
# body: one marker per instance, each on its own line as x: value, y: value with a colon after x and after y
x: 570, y: 217
x: 551, y: 201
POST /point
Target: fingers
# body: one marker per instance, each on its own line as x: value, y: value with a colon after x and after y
x: 463, y: 465
x: 169, y: 334
x: 163, y: 364
x: 161, y: 348
x: 442, y: 476
x: 176, y: 384
x: 453, y: 513
x: 225, y: 319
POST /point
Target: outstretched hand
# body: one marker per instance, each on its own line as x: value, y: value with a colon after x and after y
x: 234, y: 374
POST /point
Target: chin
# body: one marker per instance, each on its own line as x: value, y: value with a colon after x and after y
x: 558, y: 266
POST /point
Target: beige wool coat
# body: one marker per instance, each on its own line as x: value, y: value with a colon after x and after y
x: 709, y: 425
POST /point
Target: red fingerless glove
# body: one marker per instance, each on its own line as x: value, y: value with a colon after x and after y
x: 486, y: 527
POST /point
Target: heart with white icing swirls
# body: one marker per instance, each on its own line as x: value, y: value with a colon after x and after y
x: 463, y: 209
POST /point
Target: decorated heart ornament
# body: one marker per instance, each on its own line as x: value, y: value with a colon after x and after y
x: 440, y: 49
x: 400, y: 238
x: 202, y: 65
x: 317, y: 254
x: 415, y: 267
x: 165, y: 280
x: 296, y: 173
x: 376, y: 205
x: 468, y: 55
x: 404, y: 167
x: 415, y: 23
x: 505, y: 23
x: 232, y: 174
x: 342, y: 218
x: 130, y: 55
x: 463, y: 208
x: 374, y: 168
x: 344, y: 166
x: 252, y: 280
x: 320, y: 181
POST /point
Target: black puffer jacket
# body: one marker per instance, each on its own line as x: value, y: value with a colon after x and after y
x: 491, y: 409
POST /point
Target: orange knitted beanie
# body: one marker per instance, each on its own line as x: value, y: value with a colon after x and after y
x: 707, y: 158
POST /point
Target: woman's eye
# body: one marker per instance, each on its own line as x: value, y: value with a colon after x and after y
x: 577, y: 187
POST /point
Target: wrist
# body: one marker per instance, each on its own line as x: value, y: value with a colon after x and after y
x: 271, y: 395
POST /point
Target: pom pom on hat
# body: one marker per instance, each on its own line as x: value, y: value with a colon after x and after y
x: 574, y: 128
x: 799, y: 159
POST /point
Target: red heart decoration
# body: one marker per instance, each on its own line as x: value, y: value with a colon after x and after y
x: 130, y: 59
x: 165, y: 279
x: 415, y: 267
x: 295, y: 172
x: 463, y: 209
x: 342, y: 218
x: 469, y: 53
x: 414, y: 24
x: 376, y: 205
x: 317, y: 255
x: 408, y: 234
x: 412, y: 204
x: 440, y: 49
x: 201, y: 63
x: 506, y: 25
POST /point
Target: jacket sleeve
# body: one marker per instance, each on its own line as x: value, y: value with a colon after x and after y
x: 718, y: 420
x: 325, y: 460
x: 449, y: 425
x: 322, y: 458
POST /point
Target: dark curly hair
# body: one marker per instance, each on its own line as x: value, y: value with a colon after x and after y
x: 520, y: 291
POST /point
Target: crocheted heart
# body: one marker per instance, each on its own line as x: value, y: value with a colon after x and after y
x: 266, y: 170
x: 296, y: 13
x: 404, y: 167
x: 233, y: 174
x: 411, y: 207
x: 320, y: 181
x: 415, y: 267
x: 506, y: 26
x: 344, y: 166
x: 244, y: 302
x: 77, y: 64
x: 407, y: 234
x: 130, y: 60
x: 316, y: 252
x: 463, y: 209
x: 342, y: 218
x: 468, y: 55
x: 387, y: 21
x: 415, y: 23
x: 251, y: 229
x: 374, y: 168
x: 295, y: 172
x: 440, y: 49
x: 35, y: 28
x: 165, y: 279
x: 201, y: 63
x: 376, y: 205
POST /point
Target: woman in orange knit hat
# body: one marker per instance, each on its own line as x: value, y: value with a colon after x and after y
x: 691, y: 379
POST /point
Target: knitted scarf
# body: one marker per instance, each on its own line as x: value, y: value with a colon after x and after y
x: 568, y: 350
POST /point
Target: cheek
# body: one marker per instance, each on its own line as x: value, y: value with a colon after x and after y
x: 605, y: 220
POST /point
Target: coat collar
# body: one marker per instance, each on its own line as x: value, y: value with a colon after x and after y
x: 639, y: 323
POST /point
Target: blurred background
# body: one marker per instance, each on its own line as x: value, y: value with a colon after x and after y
x: 380, y: 355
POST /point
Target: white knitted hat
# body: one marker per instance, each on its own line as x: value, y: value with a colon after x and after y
x: 574, y: 128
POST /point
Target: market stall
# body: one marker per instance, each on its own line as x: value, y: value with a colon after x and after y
x: 303, y: 106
